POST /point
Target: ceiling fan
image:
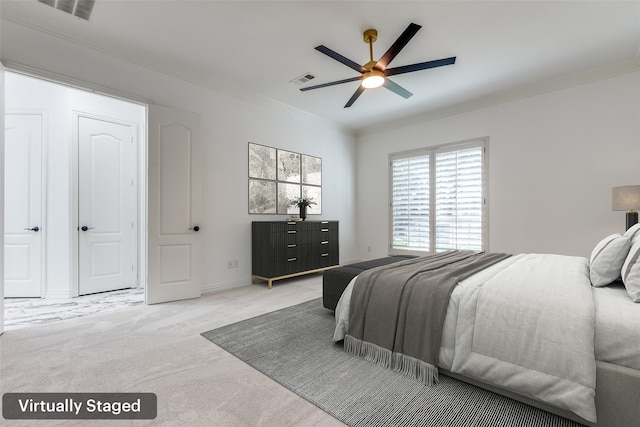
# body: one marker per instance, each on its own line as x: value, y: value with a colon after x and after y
x: 375, y: 73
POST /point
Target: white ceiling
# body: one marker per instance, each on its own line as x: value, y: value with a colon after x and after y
x: 504, y: 49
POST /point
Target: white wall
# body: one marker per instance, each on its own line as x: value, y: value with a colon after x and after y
x: 57, y: 103
x: 553, y: 159
x: 229, y: 124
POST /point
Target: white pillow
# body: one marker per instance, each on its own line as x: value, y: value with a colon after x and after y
x: 631, y: 272
x: 607, y: 259
x: 633, y: 233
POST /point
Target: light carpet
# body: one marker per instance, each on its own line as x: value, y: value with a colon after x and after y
x: 293, y: 346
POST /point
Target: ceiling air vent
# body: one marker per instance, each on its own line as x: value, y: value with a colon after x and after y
x: 302, y: 79
x: 80, y: 8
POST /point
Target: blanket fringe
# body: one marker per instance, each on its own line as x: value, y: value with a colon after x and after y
x: 352, y: 345
x: 410, y: 366
x: 415, y: 368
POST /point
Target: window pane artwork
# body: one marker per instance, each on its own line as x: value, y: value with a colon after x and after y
x: 311, y: 170
x: 315, y: 194
x: 277, y: 177
x: 262, y: 162
x: 286, y: 193
x: 288, y: 166
x: 262, y: 196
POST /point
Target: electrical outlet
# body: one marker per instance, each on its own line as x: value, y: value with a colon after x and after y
x: 232, y: 263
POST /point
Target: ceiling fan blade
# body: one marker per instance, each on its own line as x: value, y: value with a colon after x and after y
x: 397, y: 89
x: 398, y: 45
x: 355, y: 96
x: 352, y: 79
x: 346, y: 61
x: 419, y: 66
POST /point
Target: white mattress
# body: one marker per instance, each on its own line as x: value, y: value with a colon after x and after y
x: 617, y: 337
x: 617, y: 331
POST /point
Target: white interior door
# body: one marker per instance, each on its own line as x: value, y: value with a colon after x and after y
x: 107, y: 224
x: 23, y: 234
x: 174, y: 205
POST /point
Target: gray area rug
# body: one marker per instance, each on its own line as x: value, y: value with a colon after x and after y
x: 293, y: 346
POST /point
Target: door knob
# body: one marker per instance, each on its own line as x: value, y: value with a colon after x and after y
x: 85, y: 228
x: 36, y: 229
x: 195, y: 228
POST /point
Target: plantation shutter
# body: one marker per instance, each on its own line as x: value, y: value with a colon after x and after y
x: 410, y: 203
x: 437, y: 199
x: 458, y: 199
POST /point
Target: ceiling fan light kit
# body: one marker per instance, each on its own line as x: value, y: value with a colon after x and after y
x: 375, y: 73
x: 372, y: 79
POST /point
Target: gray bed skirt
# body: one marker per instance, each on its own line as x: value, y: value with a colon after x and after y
x: 617, y: 394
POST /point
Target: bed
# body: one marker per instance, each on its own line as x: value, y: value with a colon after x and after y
x: 558, y: 332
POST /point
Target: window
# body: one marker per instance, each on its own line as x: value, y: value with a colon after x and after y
x: 437, y: 199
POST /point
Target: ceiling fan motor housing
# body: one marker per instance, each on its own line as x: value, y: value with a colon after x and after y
x: 370, y: 35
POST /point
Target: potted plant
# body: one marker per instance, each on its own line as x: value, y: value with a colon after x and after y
x: 303, y: 203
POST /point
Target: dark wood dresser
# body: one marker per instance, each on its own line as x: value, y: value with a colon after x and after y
x: 283, y: 249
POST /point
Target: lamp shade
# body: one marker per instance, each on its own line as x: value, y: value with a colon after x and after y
x: 626, y: 198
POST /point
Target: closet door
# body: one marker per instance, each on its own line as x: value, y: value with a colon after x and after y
x: 107, y: 194
x: 23, y: 233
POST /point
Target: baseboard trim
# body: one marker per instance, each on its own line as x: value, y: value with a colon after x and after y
x: 225, y: 285
x: 59, y: 294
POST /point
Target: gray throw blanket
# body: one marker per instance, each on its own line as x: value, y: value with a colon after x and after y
x: 397, y: 311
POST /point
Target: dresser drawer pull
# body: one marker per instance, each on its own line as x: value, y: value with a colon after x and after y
x: 291, y: 231
x: 291, y: 259
x: 291, y: 246
x: 291, y: 223
x: 324, y: 230
x: 326, y: 242
x: 324, y: 255
x: 324, y: 222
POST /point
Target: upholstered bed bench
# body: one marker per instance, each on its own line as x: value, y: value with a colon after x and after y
x: 335, y: 281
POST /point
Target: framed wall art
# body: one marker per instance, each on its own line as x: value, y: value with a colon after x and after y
x: 262, y: 196
x: 262, y: 162
x: 288, y: 166
x: 276, y: 177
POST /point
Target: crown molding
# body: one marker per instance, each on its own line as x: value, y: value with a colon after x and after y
x: 71, y: 82
x: 53, y: 28
x: 503, y: 97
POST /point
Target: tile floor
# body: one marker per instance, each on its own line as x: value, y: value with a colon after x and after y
x: 20, y: 312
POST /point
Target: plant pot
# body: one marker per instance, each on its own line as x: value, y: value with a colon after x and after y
x: 303, y: 212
